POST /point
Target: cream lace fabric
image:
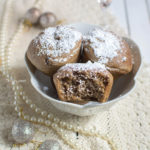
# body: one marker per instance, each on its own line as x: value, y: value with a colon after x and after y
x: 127, y: 122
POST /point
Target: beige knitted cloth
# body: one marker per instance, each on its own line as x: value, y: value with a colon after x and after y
x: 128, y: 121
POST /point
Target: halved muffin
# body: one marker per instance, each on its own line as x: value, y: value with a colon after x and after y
x: 80, y: 82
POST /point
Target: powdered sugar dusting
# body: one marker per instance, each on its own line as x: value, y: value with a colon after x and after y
x: 56, y: 41
x: 104, y: 43
x: 84, y: 66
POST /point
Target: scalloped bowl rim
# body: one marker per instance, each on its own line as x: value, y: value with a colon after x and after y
x: 79, y: 106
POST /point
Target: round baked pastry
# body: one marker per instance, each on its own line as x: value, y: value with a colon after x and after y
x: 54, y: 47
x: 107, y: 48
x: 82, y: 82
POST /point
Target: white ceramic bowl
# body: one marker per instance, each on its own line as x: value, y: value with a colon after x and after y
x: 121, y: 88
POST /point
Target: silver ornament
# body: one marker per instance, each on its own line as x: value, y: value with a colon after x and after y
x: 50, y: 145
x: 47, y: 19
x: 104, y: 3
x: 22, y: 131
x: 32, y: 15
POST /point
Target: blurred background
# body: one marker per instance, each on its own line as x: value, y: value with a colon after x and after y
x: 134, y: 16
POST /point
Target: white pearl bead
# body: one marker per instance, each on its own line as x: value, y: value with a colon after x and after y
x: 62, y: 123
x: 18, y: 87
x: 19, y: 114
x: 25, y: 98
x: 85, y: 130
x: 61, y: 130
x: 8, y: 61
x: 69, y: 126
x: 50, y: 116
x: 33, y: 119
x: 21, y: 93
x: 15, y: 102
x: 11, y: 78
x: 16, y: 93
x: 32, y: 106
x: 37, y: 110
x: 40, y: 120
x: 15, y: 97
x: 26, y: 117
x: 76, y: 144
x: 13, y: 83
x: 43, y: 113
x: 54, y: 125
x: 17, y: 109
x: 79, y: 129
x: 47, y: 122
x: 92, y: 131
x: 13, y: 88
x: 71, y: 140
x: 7, y: 76
x: 56, y: 120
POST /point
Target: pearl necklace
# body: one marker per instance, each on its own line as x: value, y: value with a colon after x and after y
x: 46, y: 119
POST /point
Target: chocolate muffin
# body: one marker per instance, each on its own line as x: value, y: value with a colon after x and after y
x: 107, y: 48
x: 81, y: 82
x: 53, y: 48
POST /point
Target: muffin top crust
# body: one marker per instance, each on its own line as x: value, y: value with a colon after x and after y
x: 57, y: 41
x: 84, y: 67
x: 104, y: 44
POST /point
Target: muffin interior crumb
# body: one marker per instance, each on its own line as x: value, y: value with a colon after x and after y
x: 81, y: 86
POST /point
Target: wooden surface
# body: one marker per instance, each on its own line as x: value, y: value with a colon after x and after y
x: 134, y: 16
